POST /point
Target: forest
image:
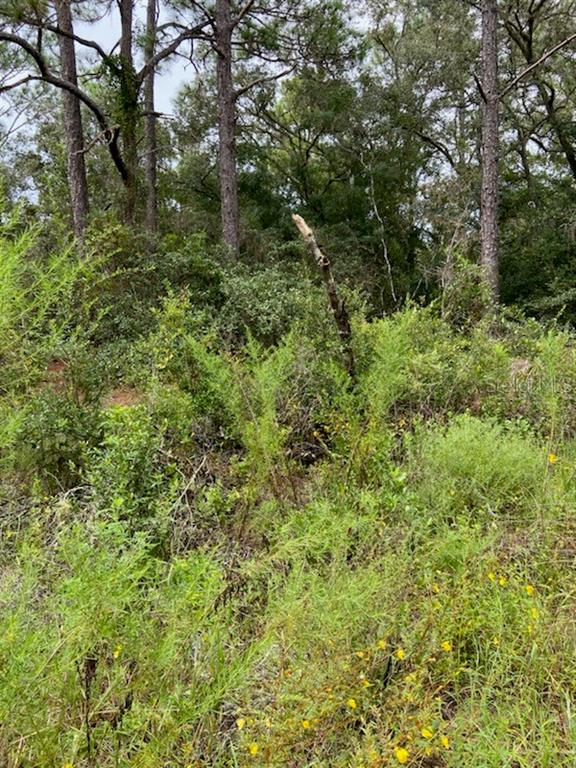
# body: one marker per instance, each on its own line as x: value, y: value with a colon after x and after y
x: 287, y: 383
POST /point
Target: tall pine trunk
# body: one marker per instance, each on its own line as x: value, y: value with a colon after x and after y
x: 150, y: 122
x: 489, y: 258
x: 73, y: 131
x: 128, y: 106
x: 227, y: 127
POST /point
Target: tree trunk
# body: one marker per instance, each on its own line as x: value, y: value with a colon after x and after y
x: 227, y: 127
x: 150, y: 122
x: 489, y: 259
x: 74, y: 134
x: 129, y: 106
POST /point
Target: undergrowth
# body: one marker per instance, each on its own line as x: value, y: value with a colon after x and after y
x: 216, y: 556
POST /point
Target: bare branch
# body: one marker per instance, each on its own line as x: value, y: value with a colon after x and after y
x: 188, y: 34
x: 536, y: 64
x: 47, y: 76
x: 242, y: 12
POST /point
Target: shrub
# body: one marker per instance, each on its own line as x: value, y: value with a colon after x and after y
x: 478, y: 465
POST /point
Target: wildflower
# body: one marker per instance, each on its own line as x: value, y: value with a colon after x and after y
x: 447, y: 646
x: 445, y: 741
x: 529, y: 590
x: 117, y: 650
x: 427, y: 733
x: 502, y: 581
x: 534, y: 613
x: 428, y: 751
x: 435, y: 588
x: 351, y: 703
x: 253, y: 748
x: 305, y: 724
x: 382, y: 644
x: 410, y: 678
x: 366, y: 683
x: 492, y: 576
x: 360, y: 654
x: 400, y: 654
x: 240, y: 723
x: 495, y: 641
x: 68, y: 765
x: 402, y: 755
x: 552, y: 458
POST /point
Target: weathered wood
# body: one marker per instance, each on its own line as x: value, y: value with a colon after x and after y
x: 337, y: 304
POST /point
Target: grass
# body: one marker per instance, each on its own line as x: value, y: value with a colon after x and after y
x: 203, y: 593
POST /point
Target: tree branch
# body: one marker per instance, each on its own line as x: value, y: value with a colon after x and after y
x: 188, y: 34
x: 70, y: 35
x: 46, y: 75
x: 242, y: 12
x: 271, y: 78
x: 536, y: 64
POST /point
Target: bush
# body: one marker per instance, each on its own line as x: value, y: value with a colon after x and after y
x: 475, y: 465
x: 52, y: 440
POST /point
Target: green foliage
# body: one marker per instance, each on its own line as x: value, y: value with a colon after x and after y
x: 480, y: 465
x: 51, y: 439
x: 35, y: 294
x: 124, y: 471
x: 257, y: 563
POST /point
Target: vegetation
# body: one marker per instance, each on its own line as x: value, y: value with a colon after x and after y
x: 279, y: 501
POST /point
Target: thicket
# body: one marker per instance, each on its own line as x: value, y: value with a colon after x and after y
x: 217, y: 550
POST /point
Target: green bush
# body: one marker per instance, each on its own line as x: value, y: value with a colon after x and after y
x: 52, y: 439
x: 474, y: 465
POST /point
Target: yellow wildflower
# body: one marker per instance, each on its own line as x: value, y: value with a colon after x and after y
x: 427, y: 733
x: 382, y: 644
x: 495, y: 641
x: 492, y: 576
x: 534, y: 613
x: 447, y: 646
x: 366, y: 683
x: 351, y: 703
x: 552, y: 458
x: 117, y: 650
x: 253, y: 748
x: 502, y: 581
x: 360, y: 654
x: 240, y: 723
x: 305, y: 724
x: 445, y: 741
x: 410, y: 678
x: 400, y: 654
x: 402, y: 755
x: 68, y: 765
x: 529, y: 590
x: 435, y: 588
